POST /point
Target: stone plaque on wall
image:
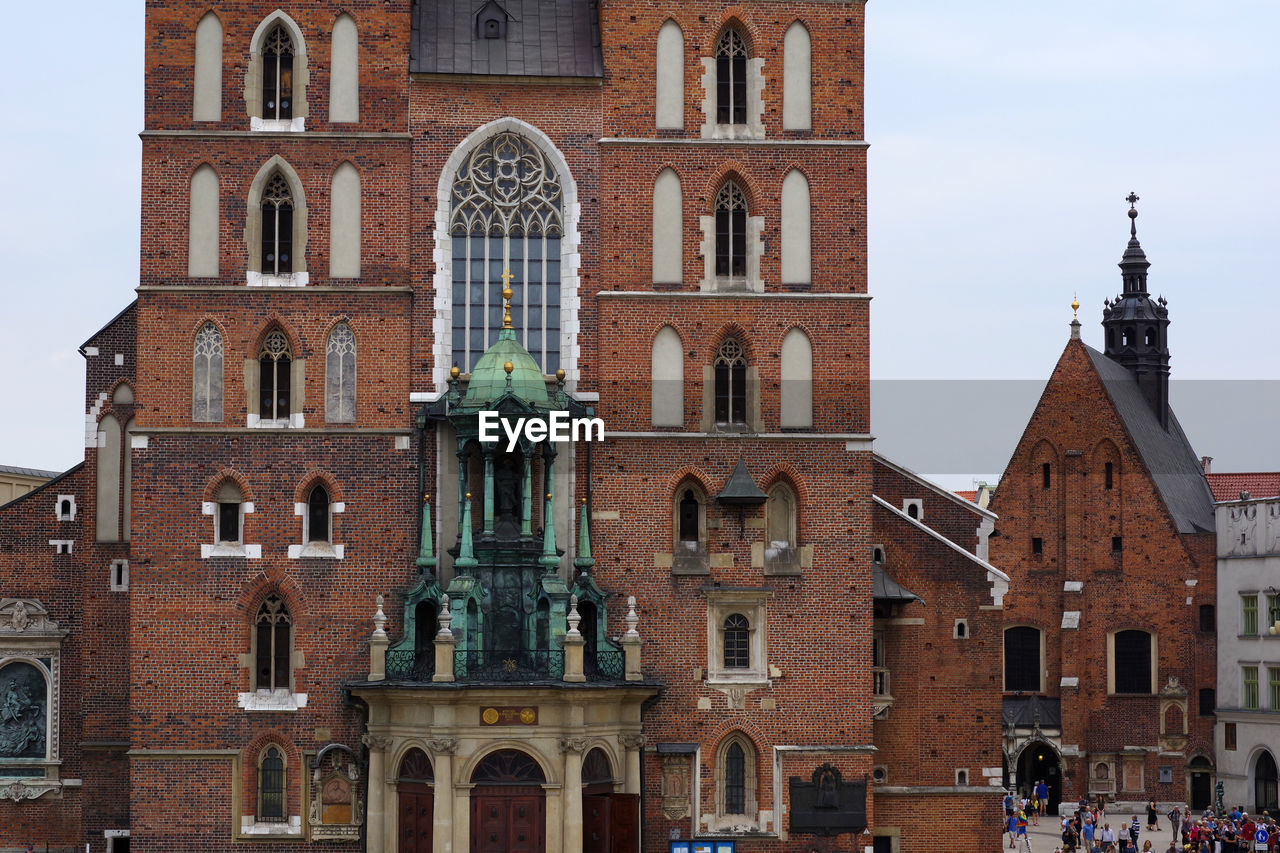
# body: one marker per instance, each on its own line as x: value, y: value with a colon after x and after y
x: 825, y: 804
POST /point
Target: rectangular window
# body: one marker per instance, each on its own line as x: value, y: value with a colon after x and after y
x: 1273, y: 676
x: 1208, y: 618
x: 1037, y: 545
x: 1229, y: 736
x: 1249, y: 615
x: 1045, y: 475
x: 1117, y: 544
x: 1249, y: 679
x: 1133, y: 662
x: 1022, y: 659
x: 229, y: 522
x: 1273, y: 610
x: 1208, y: 701
x: 1109, y: 475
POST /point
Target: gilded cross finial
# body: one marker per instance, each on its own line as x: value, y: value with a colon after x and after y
x: 1075, y: 305
x: 507, y: 293
x: 1133, y: 200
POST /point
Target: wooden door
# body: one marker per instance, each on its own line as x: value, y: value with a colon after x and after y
x: 417, y: 809
x: 595, y: 823
x: 508, y: 820
x: 624, y: 823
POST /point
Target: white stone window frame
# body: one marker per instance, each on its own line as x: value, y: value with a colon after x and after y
x: 750, y: 821
x: 253, y: 77
x: 254, y: 277
x: 752, y: 604
x: 323, y: 549
x: 918, y: 503
x: 62, y: 546
x: 272, y: 699
x: 754, y: 127
x: 961, y: 624
x: 29, y: 636
x: 70, y: 514
x: 219, y: 548
x: 753, y: 282
x: 118, y: 579
x: 442, y: 253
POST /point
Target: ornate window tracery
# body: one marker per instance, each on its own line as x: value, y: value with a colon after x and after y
x: 506, y: 214
x: 340, y: 375
x: 731, y: 383
x: 275, y: 361
x: 277, y: 75
x: 274, y: 629
x: 207, y: 357
x: 277, y: 227
x: 271, y: 801
x: 731, y: 231
x: 731, y: 79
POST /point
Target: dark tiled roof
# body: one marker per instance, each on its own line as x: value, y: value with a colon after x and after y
x: 1174, y: 466
x: 1227, y: 487
x: 886, y: 588
x: 545, y: 38
x: 28, y: 472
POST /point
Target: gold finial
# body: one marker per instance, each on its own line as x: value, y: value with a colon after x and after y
x: 584, y: 500
x: 548, y: 496
x: 468, y: 496
x: 560, y: 376
x: 426, y: 498
x: 507, y: 293
x: 508, y: 367
x: 1075, y: 305
x: 454, y: 372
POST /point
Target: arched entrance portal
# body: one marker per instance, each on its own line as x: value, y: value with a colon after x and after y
x: 1037, y: 763
x: 414, y: 790
x: 610, y: 821
x: 1266, y: 789
x: 508, y: 804
x: 1201, y: 796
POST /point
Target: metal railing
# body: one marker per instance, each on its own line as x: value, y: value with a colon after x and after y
x: 508, y: 664
x: 409, y: 664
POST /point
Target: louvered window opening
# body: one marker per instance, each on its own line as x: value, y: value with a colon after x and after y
x: 506, y: 214
x: 737, y: 642
x: 731, y: 79
x: 277, y: 75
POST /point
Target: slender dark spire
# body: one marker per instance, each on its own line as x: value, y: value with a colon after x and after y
x: 1137, y: 326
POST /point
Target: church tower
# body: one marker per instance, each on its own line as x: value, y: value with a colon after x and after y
x: 1137, y: 326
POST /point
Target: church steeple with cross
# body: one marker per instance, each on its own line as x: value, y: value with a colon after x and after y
x: 1137, y: 326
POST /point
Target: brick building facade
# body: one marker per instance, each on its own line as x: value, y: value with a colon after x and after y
x: 247, y: 640
x: 1107, y: 530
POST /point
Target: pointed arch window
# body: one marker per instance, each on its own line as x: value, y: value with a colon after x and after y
x: 318, y: 515
x: 731, y: 79
x: 735, y: 780
x: 228, y: 528
x: 731, y: 384
x: 277, y: 227
x: 271, y: 804
x: 340, y: 375
x: 731, y: 231
x: 275, y: 362
x: 506, y: 213
x: 207, y: 357
x: 781, y: 552
x: 274, y: 635
x: 277, y: 74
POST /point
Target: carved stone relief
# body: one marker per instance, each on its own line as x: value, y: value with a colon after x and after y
x: 675, y: 787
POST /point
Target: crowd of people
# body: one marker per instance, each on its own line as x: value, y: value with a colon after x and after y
x: 1087, y: 829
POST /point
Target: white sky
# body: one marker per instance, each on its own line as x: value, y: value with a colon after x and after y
x: 1004, y: 137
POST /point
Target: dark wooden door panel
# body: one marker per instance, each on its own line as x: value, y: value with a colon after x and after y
x: 624, y: 823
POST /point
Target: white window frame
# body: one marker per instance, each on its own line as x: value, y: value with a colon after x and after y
x: 324, y: 549
x: 118, y: 580
x: 218, y: 548
x: 751, y: 604
x: 57, y: 508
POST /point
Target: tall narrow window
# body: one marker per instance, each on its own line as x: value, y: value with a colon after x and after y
x: 1273, y: 680
x: 690, y: 521
x: 735, y: 780
x: 669, y: 76
x: 340, y: 375
x: 206, y: 101
x: 1022, y: 659
x: 274, y: 634
x: 731, y: 232
x: 797, y: 265
x: 318, y: 515
x: 1133, y: 662
x: 277, y: 75
x: 1108, y: 475
x: 1249, y: 683
x: 731, y: 384
x: 1249, y: 615
x: 228, y: 530
x: 506, y: 214
x: 1046, y: 475
x: 274, y: 362
x: 795, y: 78
x: 344, y: 71
x: 731, y: 79
x: 737, y: 642
x: 271, y: 786
x: 206, y: 392
x: 277, y: 227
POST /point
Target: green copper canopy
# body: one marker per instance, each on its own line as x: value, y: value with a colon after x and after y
x: 489, y: 377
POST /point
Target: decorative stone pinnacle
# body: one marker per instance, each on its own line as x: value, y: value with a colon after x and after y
x: 446, y: 618
x: 574, y: 618
x: 632, y: 620
x: 379, y: 620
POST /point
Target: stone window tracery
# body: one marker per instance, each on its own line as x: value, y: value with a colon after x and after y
x: 275, y: 361
x: 340, y: 375
x: 207, y: 360
x: 277, y: 227
x: 271, y: 782
x: 731, y: 384
x: 506, y: 213
x: 277, y: 75
x: 731, y: 231
x: 274, y: 628
x: 731, y: 79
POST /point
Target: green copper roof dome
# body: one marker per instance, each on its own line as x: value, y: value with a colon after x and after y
x: 489, y: 375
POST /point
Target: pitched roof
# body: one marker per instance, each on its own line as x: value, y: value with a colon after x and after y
x: 1261, y: 484
x: 1168, y: 455
x: 886, y: 588
x: 971, y: 497
x: 27, y: 472
x: 544, y: 38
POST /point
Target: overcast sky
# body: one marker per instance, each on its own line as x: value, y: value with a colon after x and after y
x: 1004, y: 138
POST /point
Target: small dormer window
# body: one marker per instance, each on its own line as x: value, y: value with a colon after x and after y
x: 491, y: 22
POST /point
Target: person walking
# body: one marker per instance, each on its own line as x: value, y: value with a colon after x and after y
x: 1152, y: 821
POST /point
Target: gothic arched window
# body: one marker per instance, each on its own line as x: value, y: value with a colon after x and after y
x: 506, y: 214
x: 731, y: 79
x: 275, y: 362
x: 277, y: 227
x: 318, y: 515
x: 731, y: 383
x: 274, y: 628
x: 271, y: 786
x: 731, y: 231
x: 277, y: 75
x: 206, y: 392
x: 340, y: 376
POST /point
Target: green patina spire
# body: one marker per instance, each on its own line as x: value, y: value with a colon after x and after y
x: 426, y: 550
x: 549, y: 558
x: 584, y: 561
x: 466, y: 554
